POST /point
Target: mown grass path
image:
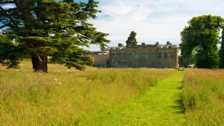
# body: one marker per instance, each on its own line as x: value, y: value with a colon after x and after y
x: 158, y: 106
x: 163, y: 102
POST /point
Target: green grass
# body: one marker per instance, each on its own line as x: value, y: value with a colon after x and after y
x: 203, y: 97
x: 111, y: 97
x: 69, y: 97
x: 157, y: 106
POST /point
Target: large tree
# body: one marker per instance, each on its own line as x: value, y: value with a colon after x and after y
x: 132, y: 42
x: 48, y: 28
x: 200, y: 40
x: 221, y: 52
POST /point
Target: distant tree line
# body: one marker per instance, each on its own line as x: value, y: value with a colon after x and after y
x: 202, y: 42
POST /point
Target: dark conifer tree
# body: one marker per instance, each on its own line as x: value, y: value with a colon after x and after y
x: 48, y: 28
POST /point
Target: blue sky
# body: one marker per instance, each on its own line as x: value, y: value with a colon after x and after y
x: 153, y: 20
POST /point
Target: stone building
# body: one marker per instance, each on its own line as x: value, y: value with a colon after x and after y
x: 139, y: 56
x: 100, y: 59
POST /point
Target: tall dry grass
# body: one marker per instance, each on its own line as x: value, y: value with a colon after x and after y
x: 203, y: 97
x: 68, y: 97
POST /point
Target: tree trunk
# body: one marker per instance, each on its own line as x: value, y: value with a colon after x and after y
x: 39, y: 63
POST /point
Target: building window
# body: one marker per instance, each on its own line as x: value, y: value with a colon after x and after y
x: 165, y: 55
x: 172, y: 55
x: 160, y: 55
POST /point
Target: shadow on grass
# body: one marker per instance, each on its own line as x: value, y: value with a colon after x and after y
x: 179, y: 105
x: 180, y: 87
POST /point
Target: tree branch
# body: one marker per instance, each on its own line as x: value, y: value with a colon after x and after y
x: 12, y: 24
x: 7, y: 25
x: 6, y: 1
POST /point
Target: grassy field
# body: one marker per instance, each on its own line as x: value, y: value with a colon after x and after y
x: 203, y: 97
x: 70, y: 97
x: 111, y: 97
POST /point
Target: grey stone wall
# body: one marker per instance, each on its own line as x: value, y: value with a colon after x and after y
x: 137, y: 57
x: 100, y: 59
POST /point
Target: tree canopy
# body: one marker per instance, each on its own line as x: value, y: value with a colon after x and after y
x: 200, y: 40
x: 48, y: 28
x: 221, y: 51
x: 132, y: 42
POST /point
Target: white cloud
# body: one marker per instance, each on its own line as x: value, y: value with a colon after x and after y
x: 8, y: 6
x: 153, y: 20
